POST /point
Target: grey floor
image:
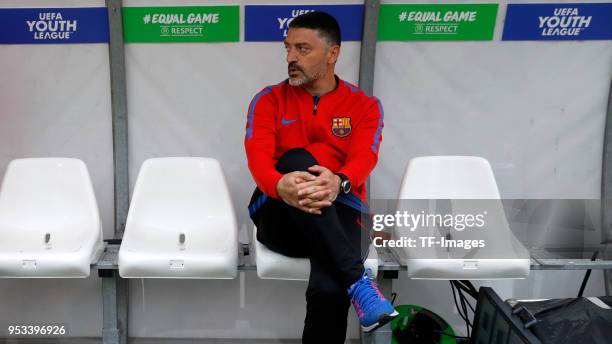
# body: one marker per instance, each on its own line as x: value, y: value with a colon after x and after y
x: 153, y: 341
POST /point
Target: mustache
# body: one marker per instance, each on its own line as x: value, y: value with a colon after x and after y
x: 295, y: 65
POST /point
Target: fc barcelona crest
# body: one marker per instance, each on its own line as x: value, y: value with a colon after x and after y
x: 341, y: 126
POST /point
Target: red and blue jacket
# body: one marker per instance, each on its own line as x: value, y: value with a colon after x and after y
x: 342, y: 129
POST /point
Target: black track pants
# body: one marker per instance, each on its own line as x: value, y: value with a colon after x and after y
x: 333, y: 241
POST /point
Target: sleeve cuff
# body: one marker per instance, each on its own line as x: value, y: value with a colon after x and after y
x: 274, y: 178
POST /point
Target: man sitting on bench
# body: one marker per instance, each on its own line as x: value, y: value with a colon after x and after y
x: 311, y: 143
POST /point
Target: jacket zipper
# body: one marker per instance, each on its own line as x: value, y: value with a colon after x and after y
x: 315, y: 100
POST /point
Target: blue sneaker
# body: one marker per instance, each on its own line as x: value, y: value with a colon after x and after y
x: 371, y: 306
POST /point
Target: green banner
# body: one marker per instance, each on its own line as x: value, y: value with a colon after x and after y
x: 181, y: 24
x: 437, y: 22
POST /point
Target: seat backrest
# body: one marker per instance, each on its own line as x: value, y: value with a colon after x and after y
x: 449, y: 177
x: 48, y: 195
x: 184, y: 195
x: 469, y: 186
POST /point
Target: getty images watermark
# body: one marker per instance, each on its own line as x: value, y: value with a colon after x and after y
x: 414, y: 222
x: 449, y: 228
x: 487, y: 228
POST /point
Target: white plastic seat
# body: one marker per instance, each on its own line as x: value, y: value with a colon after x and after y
x: 461, y: 178
x: 181, y: 222
x: 49, y: 220
x: 272, y: 265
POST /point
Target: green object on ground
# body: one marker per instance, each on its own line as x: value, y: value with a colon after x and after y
x: 407, y: 314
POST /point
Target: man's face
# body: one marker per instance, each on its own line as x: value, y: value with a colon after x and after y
x: 308, y: 56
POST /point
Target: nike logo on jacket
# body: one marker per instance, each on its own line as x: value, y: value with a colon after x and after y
x: 287, y: 121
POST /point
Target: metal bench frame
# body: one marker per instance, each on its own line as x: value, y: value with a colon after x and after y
x: 115, y: 288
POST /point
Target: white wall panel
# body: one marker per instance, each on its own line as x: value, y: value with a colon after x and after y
x: 535, y: 110
x: 187, y: 99
x: 56, y: 103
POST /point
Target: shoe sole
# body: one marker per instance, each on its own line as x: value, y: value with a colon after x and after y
x: 382, y: 321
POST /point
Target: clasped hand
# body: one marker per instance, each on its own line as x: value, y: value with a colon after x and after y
x: 309, y: 191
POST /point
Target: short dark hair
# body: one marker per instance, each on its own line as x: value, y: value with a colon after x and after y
x: 324, y: 23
